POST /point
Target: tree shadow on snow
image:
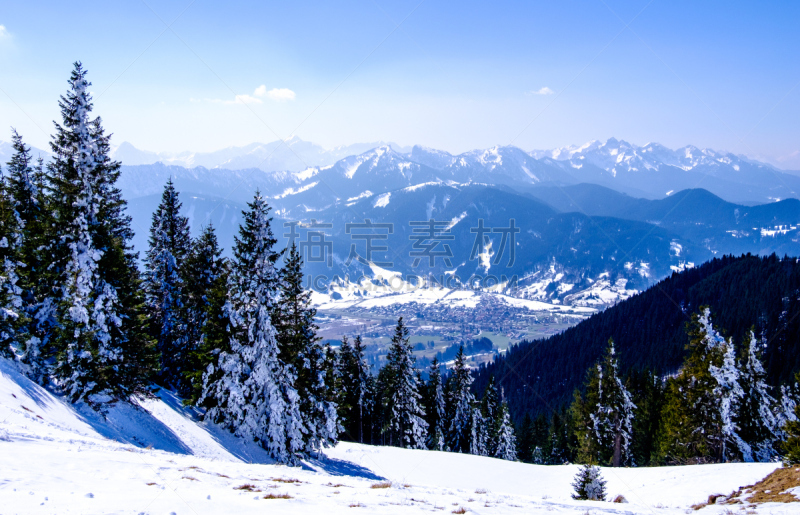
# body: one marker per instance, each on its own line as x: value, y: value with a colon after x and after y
x: 336, y: 467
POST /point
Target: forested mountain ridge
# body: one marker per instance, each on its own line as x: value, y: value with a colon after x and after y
x: 649, y: 329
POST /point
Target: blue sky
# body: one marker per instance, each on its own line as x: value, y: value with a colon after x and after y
x: 450, y: 75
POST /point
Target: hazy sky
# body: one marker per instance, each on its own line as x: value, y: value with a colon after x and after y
x: 202, y: 75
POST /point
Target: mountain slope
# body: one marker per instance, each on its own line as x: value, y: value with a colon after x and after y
x: 649, y: 330
x: 52, y: 461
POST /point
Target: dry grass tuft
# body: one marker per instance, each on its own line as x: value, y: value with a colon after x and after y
x: 481, y: 491
x: 150, y: 484
x: 773, y: 487
x: 277, y: 496
x: 384, y: 484
x: 223, y: 475
x: 620, y: 499
x: 285, y: 480
x: 770, y: 489
x: 460, y: 510
x: 247, y: 487
x: 357, y: 505
x: 338, y: 485
x: 190, y: 478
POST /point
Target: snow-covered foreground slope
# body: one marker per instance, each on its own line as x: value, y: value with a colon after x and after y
x: 157, y: 458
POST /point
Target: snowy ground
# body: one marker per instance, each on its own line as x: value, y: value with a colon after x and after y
x: 57, y: 458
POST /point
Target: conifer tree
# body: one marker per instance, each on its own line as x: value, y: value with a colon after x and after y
x: 604, y: 419
x: 755, y: 419
x: 207, y: 275
x: 300, y: 350
x: 460, y: 401
x: 332, y: 367
x: 253, y: 392
x: 558, y: 444
x: 791, y: 428
x: 701, y: 402
x: 170, y: 245
x: 589, y: 484
x: 647, y: 390
x: 102, y: 348
x: 25, y: 191
x: 490, y: 406
x: 478, y: 433
x: 402, y: 398
x: 435, y: 408
x: 11, y: 306
x: 506, y: 448
x: 525, y: 444
x: 355, y: 379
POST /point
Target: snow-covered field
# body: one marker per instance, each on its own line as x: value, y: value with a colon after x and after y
x: 157, y: 458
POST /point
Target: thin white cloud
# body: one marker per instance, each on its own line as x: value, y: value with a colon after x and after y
x: 4, y: 34
x: 542, y: 91
x: 244, y: 99
x: 276, y: 94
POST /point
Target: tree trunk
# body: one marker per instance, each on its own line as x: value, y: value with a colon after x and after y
x: 617, y: 445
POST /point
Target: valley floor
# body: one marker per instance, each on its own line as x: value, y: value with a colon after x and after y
x: 58, y: 458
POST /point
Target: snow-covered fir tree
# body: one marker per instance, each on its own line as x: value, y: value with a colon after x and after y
x: 405, y: 423
x: 728, y: 393
x: 250, y: 390
x: 786, y: 409
x: 300, y: 350
x: 702, y: 400
x: 506, y: 448
x: 604, y: 419
x: 435, y: 408
x: 791, y: 431
x: 477, y: 433
x: 589, y: 484
x: 206, y: 293
x: 25, y: 190
x: 101, y: 343
x: 169, y: 245
x: 460, y: 401
x: 756, y: 421
x: 355, y: 388
x: 11, y: 306
x: 490, y: 405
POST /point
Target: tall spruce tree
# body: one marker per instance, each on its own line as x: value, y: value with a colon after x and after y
x: 11, y: 305
x: 25, y: 191
x: 355, y: 388
x: 647, y: 390
x: 170, y: 244
x: 207, y: 274
x: 102, y: 348
x: 791, y: 429
x: 701, y: 401
x: 477, y: 433
x: 506, y: 448
x: 405, y: 422
x: 490, y: 406
x: 525, y: 442
x: 249, y: 388
x: 755, y: 419
x: 604, y: 419
x: 435, y: 408
x: 300, y: 350
x: 460, y: 401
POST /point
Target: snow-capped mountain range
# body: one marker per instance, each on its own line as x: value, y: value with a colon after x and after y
x: 592, y: 215
x: 314, y: 177
x: 291, y: 154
